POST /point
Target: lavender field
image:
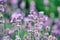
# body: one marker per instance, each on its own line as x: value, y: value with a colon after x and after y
x: 29, y: 19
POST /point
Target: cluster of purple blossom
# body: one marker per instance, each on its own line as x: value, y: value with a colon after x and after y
x: 36, y: 24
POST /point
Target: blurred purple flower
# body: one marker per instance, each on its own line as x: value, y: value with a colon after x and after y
x: 26, y: 37
x: 32, y: 4
x: 38, y: 26
x: 14, y: 1
x: 46, y: 2
x: 58, y: 9
x: 56, y: 29
x: 9, y: 32
x: 23, y: 4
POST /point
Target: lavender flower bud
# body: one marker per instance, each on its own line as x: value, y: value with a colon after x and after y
x: 46, y: 2
x: 23, y: 4
x: 14, y: 1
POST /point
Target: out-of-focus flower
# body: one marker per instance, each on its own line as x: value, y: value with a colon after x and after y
x: 42, y: 37
x: 46, y: 2
x: 38, y: 26
x: 46, y: 35
x: 16, y: 17
x: 26, y: 37
x: 41, y: 14
x: 14, y: 2
x: 23, y: 4
x: 47, y: 28
x: 32, y: 5
x: 58, y: 9
x: 13, y: 17
x: 52, y: 37
x: 9, y: 32
x: 26, y: 19
x: 18, y: 37
x: 56, y: 29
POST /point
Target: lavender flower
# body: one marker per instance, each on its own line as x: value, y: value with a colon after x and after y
x: 23, y: 4
x: 9, y: 32
x: 38, y: 26
x: 46, y: 2
x: 32, y: 7
x: 47, y: 28
x: 58, y: 9
x: 14, y: 1
x: 17, y: 37
x: 13, y: 17
x: 26, y: 37
x: 41, y: 14
x: 56, y: 29
x: 52, y: 37
x: 32, y: 2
